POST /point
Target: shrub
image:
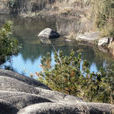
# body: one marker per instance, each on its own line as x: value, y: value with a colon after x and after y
x: 67, y: 77
x: 8, y: 44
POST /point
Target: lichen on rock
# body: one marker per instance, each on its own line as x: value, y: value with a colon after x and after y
x: 24, y: 95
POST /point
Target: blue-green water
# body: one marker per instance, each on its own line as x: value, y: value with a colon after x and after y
x: 28, y: 59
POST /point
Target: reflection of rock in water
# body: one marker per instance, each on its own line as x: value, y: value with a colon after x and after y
x: 34, y: 51
x: 104, y: 50
x: 45, y: 41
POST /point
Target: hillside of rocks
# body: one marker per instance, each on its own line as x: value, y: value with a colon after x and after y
x: 24, y: 95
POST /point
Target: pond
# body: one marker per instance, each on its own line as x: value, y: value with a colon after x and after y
x: 28, y: 59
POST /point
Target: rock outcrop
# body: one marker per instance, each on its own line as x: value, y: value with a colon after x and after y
x: 89, y: 37
x: 23, y: 95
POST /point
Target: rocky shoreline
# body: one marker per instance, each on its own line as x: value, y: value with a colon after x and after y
x: 33, y: 9
x: 104, y: 44
x: 24, y: 95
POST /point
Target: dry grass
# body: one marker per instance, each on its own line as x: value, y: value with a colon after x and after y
x: 67, y: 6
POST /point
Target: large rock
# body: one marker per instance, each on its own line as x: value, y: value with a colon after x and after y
x: 88, y: 36
x: 7, y: 107
x: 48, y: 33
x: 26, y: 80
x: 24, y: 95
x: 66, y: 108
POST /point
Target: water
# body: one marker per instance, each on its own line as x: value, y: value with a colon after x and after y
x: 28, y: 59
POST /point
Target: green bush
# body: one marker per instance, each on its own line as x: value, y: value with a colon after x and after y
x: 66, y: 77
x: 8, y: 44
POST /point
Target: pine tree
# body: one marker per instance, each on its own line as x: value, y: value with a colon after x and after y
x: 67, y: 77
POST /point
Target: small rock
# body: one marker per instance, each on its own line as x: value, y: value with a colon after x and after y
x: 104, y: 41
x: 111, y: 40
x: 48, y: 33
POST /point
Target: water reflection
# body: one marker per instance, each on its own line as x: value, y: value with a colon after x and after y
x: 29, y: 57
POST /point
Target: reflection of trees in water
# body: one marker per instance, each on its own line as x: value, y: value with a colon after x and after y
x: 102, y: 58
x: 34, y: 51
x: 29, y: 28
x: 93, y: 55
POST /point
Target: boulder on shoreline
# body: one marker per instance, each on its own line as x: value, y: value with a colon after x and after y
x: 24, y: 95
x: 106, y: 44
x: 103, y: 41
x: 48, y: 33
x: 88, y: 36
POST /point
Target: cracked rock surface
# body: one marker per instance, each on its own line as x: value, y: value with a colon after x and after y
x: 23, y: 95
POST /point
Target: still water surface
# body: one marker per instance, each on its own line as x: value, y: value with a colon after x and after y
x: 28, y: 59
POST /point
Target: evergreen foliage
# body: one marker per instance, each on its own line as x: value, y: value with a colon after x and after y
x: 8, y: 44
x: 67, y: 77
